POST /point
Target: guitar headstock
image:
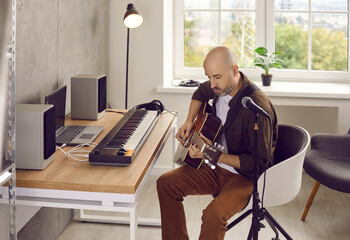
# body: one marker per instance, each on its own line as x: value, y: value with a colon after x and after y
x: 212, y: 154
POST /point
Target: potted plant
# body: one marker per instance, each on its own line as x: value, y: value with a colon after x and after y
x: 267, y: 60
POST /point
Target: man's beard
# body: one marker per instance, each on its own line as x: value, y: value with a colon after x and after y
x: 226, y: 91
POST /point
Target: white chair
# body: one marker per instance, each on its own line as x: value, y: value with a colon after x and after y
x: 283, y: 179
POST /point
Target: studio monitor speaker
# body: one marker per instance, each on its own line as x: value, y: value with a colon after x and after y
x: 35, y: 135
x: 88, y: 96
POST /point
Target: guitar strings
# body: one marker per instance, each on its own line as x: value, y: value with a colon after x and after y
x: 198, y: 141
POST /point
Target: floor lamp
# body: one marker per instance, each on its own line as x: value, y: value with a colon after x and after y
x: 132, y: 19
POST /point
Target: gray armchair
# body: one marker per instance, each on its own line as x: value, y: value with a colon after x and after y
x: 328, y: 162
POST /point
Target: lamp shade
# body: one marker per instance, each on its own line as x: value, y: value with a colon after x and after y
x: 132, y: 19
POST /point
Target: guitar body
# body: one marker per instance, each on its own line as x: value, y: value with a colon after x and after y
x: 205, y: 123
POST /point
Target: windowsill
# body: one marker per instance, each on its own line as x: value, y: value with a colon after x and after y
x: 287, y: 89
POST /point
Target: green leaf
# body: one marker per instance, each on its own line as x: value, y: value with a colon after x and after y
x: 267, y: 60
x: 276, y: 65
x: 259, y: 65
x: 258, y: 60
x: 261, y: 51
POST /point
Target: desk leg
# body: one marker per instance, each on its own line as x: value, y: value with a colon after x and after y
x: 131, y: 220
x: 175, y: 145
x: 133, y: 223
x: 159, y: 170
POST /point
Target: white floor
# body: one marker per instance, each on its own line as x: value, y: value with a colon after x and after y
x: 328, y: 219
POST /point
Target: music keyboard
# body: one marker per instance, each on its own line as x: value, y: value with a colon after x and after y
x: 120, y: 146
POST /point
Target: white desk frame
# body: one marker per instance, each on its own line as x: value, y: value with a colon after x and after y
x: 110, y: 202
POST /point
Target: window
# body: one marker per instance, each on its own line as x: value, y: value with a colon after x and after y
x: 313, y: 34
x: 202, y: 24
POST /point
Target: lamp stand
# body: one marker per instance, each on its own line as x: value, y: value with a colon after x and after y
x: 127, y: 70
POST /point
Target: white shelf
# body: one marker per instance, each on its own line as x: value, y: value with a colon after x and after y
x: 307, y: 90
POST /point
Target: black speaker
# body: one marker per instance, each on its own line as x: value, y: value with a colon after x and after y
x: 102, y: 94
x: 49, y: 132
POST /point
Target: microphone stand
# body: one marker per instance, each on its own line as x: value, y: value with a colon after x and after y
x: 256, y: 207
x: 259, y: 213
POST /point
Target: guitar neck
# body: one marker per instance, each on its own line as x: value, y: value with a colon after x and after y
x: 196, y: 139
x: 211, y: 153
x: 209, y: 126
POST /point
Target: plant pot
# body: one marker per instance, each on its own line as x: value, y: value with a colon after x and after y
x: 266, y: 79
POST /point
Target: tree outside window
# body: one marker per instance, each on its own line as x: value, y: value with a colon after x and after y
x: 313, y: 34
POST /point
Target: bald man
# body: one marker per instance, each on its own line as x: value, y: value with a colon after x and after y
x: 232, y: 180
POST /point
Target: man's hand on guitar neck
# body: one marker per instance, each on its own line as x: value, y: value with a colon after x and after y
x: 184, y: 132
x: 229, y: 159
x: 194, y: 151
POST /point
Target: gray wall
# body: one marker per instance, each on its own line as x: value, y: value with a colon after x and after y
x: 57, y: 39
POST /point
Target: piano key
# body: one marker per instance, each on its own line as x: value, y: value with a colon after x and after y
x: 140, y: 130
x: 125, y: 132
x: 130, y: 138
x: 106, y: 155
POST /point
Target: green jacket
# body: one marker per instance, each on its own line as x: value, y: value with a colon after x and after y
x: 240, y: 134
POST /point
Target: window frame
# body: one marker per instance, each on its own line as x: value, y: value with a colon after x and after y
x: 265, y: 36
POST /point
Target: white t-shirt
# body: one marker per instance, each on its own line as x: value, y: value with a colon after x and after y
x: 222, y: 109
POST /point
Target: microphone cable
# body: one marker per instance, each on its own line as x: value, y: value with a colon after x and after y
x: 268, y: 161
x: 263, y: 113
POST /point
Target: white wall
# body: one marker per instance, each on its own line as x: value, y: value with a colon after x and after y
x: 147, y: 64
x: 145, y: 54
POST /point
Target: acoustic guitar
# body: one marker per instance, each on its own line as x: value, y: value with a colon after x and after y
x: 209, y: 125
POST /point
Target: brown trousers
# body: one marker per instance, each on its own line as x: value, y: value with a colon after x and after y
x: 233, y: 191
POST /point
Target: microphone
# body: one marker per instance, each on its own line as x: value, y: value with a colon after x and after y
x: 247, y: 102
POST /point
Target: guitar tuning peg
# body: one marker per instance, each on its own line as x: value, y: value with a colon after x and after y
x: 222, y: 148
x: 215, y: 143
x: 210, y: 165
x: 206, y: 161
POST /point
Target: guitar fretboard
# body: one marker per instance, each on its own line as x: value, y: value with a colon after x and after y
x: 196, y: 139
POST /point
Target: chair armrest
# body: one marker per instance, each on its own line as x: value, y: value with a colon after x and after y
x: 331, y: 144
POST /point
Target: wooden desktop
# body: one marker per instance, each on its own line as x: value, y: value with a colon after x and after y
x: 67, y: 183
